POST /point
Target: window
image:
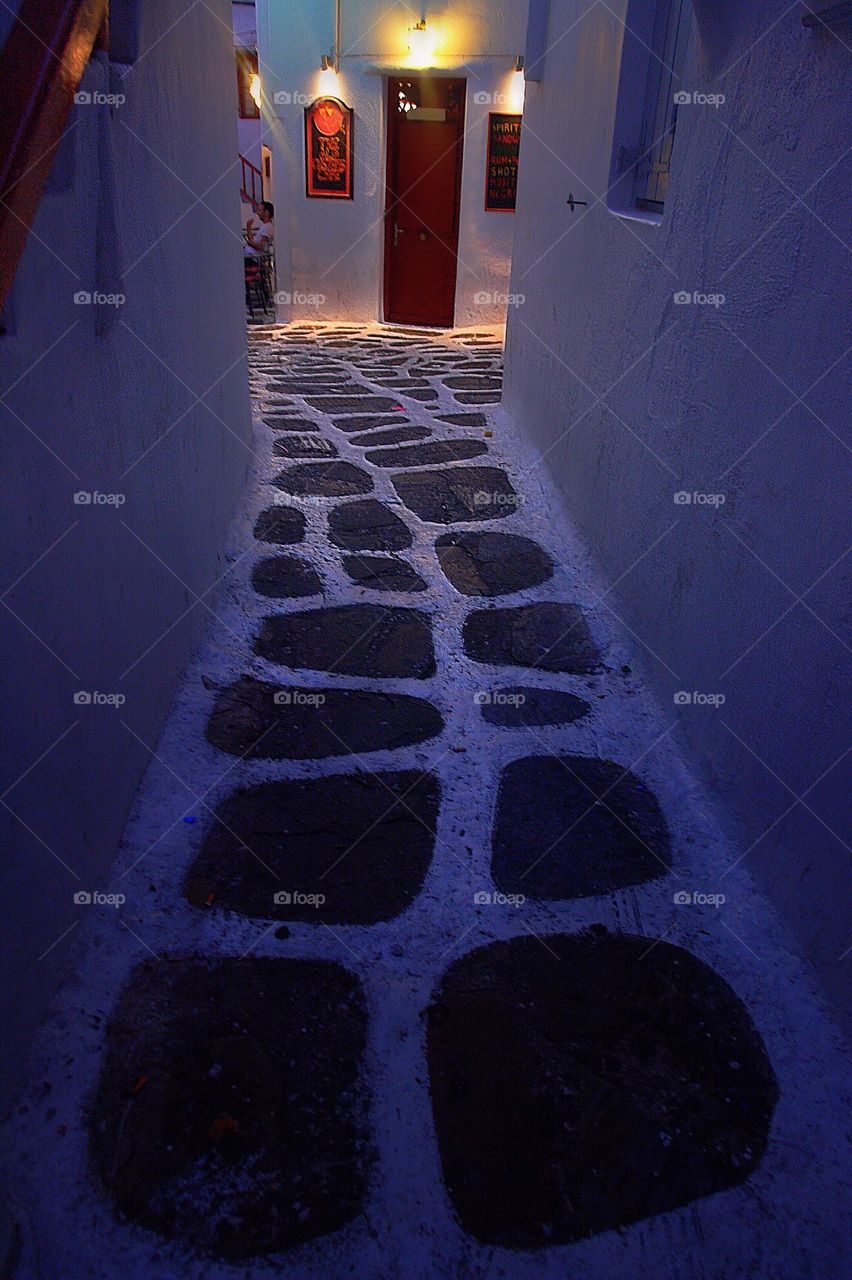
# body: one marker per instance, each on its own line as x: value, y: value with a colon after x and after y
x: 247, y: 70
x: 650, y: 93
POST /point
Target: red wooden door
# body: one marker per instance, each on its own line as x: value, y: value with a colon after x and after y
x: 425, y: 140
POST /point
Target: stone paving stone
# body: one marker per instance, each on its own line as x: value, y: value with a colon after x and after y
x: 549, y: 637
x: 281, y: 422
x: 383, y: 573
x: 492, y: 564
x: 574, y: 826
x: 257, y: 720
x: 352, y: 404
x: 231, y: 1114
x: 588, y: 1083
x: 323, y: 387
x: 282, y: 525
x: 356, y: 640
x: 420, y: 455
x: 396, y: 435
x: 464, y: 419
x: 361, y: 841
x: 324, y: 480
x: 304, y: 447
x: 523, y: 706
x: 368, y: 526
x: 477, y: 397
x: 285, y: 577
x: 458, y: 495
x: 421, y: 393
x: 366, y: 423
x: 473, y: 382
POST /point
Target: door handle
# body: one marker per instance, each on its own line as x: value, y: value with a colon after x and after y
x: 397, y: 232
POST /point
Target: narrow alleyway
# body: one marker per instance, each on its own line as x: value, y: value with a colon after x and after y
x: 426, y: 959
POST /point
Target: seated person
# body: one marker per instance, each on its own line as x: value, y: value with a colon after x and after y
x: 259, y: 239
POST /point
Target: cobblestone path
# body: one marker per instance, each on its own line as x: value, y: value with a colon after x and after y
x: 402, y: 986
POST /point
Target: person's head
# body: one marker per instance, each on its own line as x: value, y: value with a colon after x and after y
x: 267, y: 211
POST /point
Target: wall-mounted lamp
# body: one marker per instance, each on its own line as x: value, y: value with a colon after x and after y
x: 519, y: 62
x: 326, y: 62
x: 255, y: 90
x: 421, y: 44
x: 517, y: 90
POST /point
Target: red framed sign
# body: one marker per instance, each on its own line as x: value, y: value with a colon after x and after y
x: 328, y: 149
x: 501, y: 171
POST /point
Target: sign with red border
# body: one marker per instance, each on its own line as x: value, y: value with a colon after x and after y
x: 328, y: 149
x: 501, y: 172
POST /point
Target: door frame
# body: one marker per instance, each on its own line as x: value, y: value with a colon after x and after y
x: 391, y: 132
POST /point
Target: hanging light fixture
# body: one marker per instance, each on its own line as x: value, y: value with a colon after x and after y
x: 421, y: 44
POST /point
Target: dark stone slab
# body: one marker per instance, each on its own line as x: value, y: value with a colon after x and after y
x: 355, y: 640
x: 352, y: 404
x: 368, y: 526
x: 549, y: 637
x: 525, y: 707
x: 324, y: 388
x: 281, y: 422
x: 232, y: 1130
x: 492, y: 564
x: 396, y: 435
x: 283, y: 525
x: 285, y: 577
x: 403, y: 383
x: 473, y: 382
x: 460, y: 494
x: 362, y: 423
x: 589, y: 1083
x: 324, y: 480
x: 383, y: 573
x: 477, y: 397
x: 257, y: 720
x: 464, y: 419
x: 421, y: 393
x: 362, y: 841
x: 420, y: 455
x: 574, y: 826
x: 304, y: 447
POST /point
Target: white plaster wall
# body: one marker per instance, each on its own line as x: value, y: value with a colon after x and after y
x: 688, y: 409
x: 335, y: 248
x: 85, y: 413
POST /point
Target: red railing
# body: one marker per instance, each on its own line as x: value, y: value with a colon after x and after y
x: 252, y: 183
x: 41, y: 66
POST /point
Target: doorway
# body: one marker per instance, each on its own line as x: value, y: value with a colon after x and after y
x: 425, y: 144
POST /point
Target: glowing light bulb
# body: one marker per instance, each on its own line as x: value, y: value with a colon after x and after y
x: 421, y: 44
x: 517, y: 91
x: 254, y: 89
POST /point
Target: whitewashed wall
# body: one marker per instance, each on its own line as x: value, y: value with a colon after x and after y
x: 335, y: 248
x: 101, y: 608
x: 688, y: 407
